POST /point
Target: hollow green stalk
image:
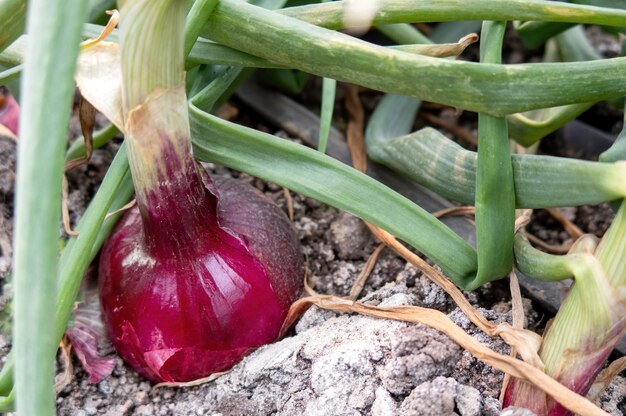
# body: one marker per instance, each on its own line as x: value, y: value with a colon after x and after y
x: 200, y: 11
x: 330, y: 15
x: 495, y: 195
x: 49, y: 66
x: 329, y: 87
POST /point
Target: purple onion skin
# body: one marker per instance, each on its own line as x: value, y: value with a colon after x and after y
x: 9, y: 111
x: 195, y: 281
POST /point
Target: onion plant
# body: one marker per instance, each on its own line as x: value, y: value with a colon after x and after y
x: 136, y: 79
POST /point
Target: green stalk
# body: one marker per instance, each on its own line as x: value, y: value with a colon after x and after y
x: 207, y: 52
x: 151, y: 44
x: 540, y: 265
x: 393, y: 117
x: 528, y: 128
x: 115, y: 190
x: 14, y: 54
x: 196, y: 17
x: 330, y: 15
x: 495, y: 195
x: 612, y: 250
x: 431, y: 159
x: 618, y: 150
x: 535, y: 34
x: 10, y: 74
x: 49, y: 66
x: 575, y: 46
x: 490, y: 88
x: 329, y: 86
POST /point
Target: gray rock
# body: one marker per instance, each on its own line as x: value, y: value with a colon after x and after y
x: 418, y: 354
x: 443, y: 396
x: 384, y: 404
x: 349, y: 236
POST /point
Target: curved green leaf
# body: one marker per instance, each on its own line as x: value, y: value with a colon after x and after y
x: 431, y: 159
x: 495, y: 194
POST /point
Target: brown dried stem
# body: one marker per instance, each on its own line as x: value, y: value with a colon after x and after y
x: 517, y: 307
x: 65, y: 378
x: 571, y: 228
x: 192, y: 383
x: 550, y: 248
x: 452, y: 211
x: 129, y: 205
x: 359, y: 283
x: 65, y: 210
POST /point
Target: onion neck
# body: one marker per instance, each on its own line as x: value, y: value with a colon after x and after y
x: 176, y: 208
x: 174, y: 203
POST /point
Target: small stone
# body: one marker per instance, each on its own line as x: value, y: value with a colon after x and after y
x: 105, y: 387
x: 517, y: 411
x: 384, y: 404
x: 468, y: 401
x: 433, y: 398
x: 350, y: 236
x: 491, y: 407
x: 399, y: 299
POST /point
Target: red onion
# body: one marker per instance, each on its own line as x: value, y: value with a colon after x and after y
x: 186, y: 294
